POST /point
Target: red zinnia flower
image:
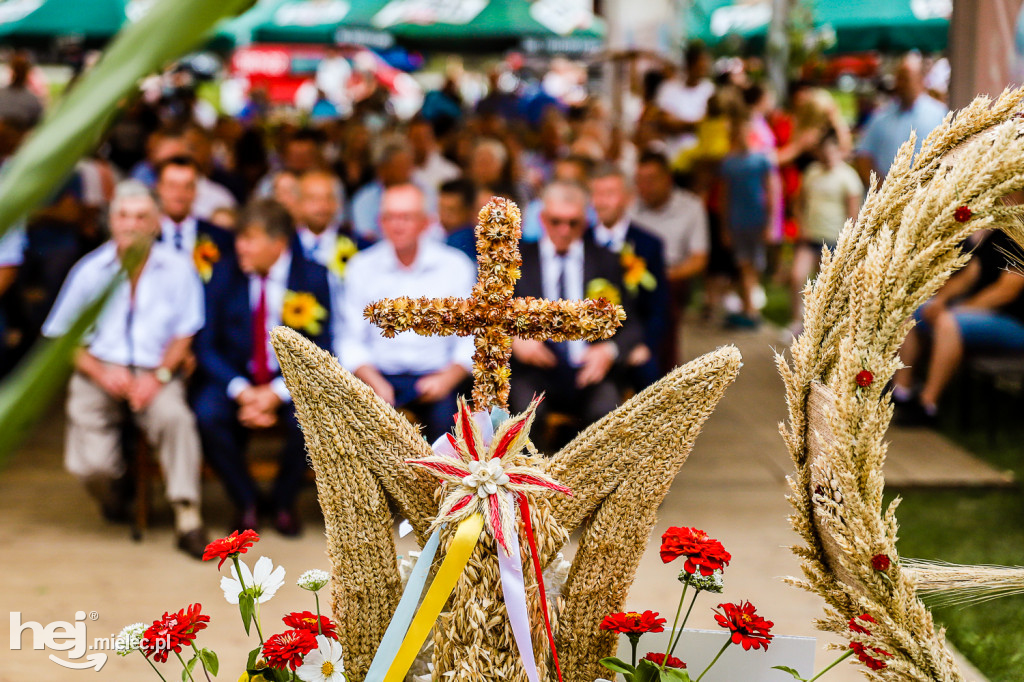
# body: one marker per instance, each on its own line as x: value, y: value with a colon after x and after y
x: 881, y: 562
x: 857, y: 627
x: 173, y: 632
x: 701, y: 552
x: 748, y: 628
x: 864, y: 378
x: 287, y: 649
x: 962, y: 214
x: 633, y: 623
x: 867, y: 654
x: 672, y: 662
x: 306, y: 620
x: 231, y: 546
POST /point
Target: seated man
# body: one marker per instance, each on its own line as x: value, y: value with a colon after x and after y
x: 455, y: 206
x: 238, y: 382
x: 642, y: 256
x: 130, y: 361
x: 979, y: 308
x: 575, y: 376
x: 419, y: 373
x: 202, y: 241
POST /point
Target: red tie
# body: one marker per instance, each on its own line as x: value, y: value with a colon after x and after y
x: 260, y: 364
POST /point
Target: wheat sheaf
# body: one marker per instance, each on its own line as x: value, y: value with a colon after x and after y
x: 903, y: 246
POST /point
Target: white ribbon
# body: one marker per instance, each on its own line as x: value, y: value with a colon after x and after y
x: 514, y: 589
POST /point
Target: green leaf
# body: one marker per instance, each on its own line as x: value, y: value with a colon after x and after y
x: 674, y: 675
x: 786, y: 669
x: 210, y: 662
x: 186, y: 672
x: 247, y: 606
x: 647, y: 671
x: 254, y: 656
x: 617, y: 665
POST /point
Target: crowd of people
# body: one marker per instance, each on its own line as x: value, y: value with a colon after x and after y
x: 229, y: 229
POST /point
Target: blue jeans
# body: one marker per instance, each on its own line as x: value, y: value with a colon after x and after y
x: 986, y: 329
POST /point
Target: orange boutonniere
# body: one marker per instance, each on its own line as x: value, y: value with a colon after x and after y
x: 303, y: 312
x: 205, y: 255
x: 634, y: 271
x: 344, y: 249
x: 599, y: 287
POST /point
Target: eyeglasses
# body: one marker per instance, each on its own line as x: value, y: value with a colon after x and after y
x: 401, y: 217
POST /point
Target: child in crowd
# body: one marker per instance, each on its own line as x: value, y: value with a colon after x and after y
x: 831, y: 192
x: 748, y: 196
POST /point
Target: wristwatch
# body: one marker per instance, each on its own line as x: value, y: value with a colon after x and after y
x: 163, y: 375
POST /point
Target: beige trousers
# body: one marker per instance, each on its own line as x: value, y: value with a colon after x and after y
x: 93, y: 445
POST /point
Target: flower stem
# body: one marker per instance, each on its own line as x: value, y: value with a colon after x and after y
x: 672, y: 634
x: 846, y: 655
x: 717, y: 656
x: 319, y: 628
x: 201, y: 662
x: 256, y: 620
x: 238, y: 571
x: 633, y: 641
x: 187, y: 672
x: 683, y: 625
x: 153, y: 666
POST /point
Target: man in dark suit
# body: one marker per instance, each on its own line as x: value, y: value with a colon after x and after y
x: 238, y: 384
x: 203, y: 242
x: 577, y: 377
x: 642, y: 256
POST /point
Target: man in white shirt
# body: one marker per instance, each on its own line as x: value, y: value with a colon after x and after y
x: 684, y: 101
x: 432, y: 169
x: 176, y: 185
x: 420, y: 373
x: 394, y: 167
x: 131, y: 359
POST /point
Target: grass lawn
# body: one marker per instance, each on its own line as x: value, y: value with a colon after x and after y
x: 975, y: 527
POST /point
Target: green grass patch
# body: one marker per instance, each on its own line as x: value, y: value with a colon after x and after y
x: 975, y: 527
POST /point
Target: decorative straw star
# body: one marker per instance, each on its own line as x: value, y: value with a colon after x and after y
x: 491, y: 314
x: 484, y: 472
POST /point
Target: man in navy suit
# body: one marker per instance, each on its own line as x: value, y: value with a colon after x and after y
x: 642, y: 256
x: 577, y: 377
x: 176, y: 182
x: 239, y: 385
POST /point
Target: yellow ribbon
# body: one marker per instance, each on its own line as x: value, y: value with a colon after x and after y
x: 463, y: 544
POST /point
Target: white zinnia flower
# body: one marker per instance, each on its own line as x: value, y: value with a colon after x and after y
x: 322, y: 664
x: 313, y: 580
x: 130, y: 638
x: 264, y: 580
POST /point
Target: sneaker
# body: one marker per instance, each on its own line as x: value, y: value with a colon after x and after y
x: 740, y: 321
x: 287, y: 523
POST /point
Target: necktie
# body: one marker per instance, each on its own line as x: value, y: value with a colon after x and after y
x: 560, y: 348
x: 260, y: 362
x: 179, y: 240
x: 563, y: 264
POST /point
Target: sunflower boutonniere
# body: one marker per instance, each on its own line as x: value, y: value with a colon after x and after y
x: 599, y: 287
x: 303, y: 312
x: 205, y: 255
x: 344, y: 249
x: 634, y: 271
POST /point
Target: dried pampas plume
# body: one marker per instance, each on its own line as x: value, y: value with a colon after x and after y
x: 903, y: 246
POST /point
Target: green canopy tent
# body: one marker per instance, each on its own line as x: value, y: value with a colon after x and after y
x: 484, y: 25
x: 320, y: 21
x: 23, y: 21
x: 858, y: 25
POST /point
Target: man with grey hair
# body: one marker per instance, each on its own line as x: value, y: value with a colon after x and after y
x: 395, y: 166
x: 578, y: 378
x: 130, y: 362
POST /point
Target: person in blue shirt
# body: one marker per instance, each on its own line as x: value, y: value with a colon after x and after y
x: 748, y: 196
x: 912, y: 110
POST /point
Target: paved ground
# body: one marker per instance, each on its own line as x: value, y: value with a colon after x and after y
x: 61, y: 558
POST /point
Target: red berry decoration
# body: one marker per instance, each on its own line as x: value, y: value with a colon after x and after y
x: 962, y: 214
x: 881, y: 562
x: 864, y: 378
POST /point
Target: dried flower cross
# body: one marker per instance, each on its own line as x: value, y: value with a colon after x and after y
x: 491, y: 314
